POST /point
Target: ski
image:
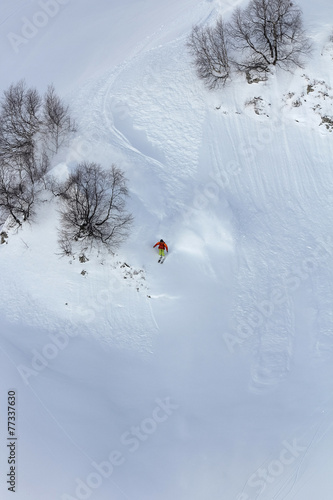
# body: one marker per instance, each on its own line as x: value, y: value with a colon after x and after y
x: 161, y: 260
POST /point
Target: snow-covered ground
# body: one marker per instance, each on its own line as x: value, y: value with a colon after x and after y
x: 209, y: 377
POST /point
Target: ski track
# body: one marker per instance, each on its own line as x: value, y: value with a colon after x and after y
x: 273, y: 202
x: 94, y: 304
x: 312, y: 441
x: 143, y: 104
x: 269, y: 208
x: 270, y: 191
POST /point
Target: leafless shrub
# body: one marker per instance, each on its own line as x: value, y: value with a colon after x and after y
x: 65, y: 244
x: 208, y: 47
x: 57, y: 122
x: 264, y: 34
x: 268, y: 33
x: 93, y: 206
x: 31, y: 129
x: 17, y: 195
x: 19, y: 122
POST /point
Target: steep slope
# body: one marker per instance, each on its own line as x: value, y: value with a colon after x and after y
x: 208, y: 376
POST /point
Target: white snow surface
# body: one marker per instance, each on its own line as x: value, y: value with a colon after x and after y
x: 208, y: 377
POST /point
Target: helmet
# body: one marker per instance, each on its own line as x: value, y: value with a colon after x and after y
x: 161, y: 241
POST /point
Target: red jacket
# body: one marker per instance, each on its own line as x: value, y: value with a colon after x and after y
x: 161, y: 245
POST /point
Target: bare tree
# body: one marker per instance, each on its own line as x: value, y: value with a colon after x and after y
x: 93, y: 206
x: 57, y: 121
x: 268, y: 33
x: 30, y: 124
x: 17, y: 195
x: 19, y: 122
x: 209, y: 50
x: 27, y: 124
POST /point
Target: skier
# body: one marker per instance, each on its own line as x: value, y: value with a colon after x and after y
x: 161, y: 247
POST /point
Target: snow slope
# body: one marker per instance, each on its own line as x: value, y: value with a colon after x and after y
x: 209, y: 376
